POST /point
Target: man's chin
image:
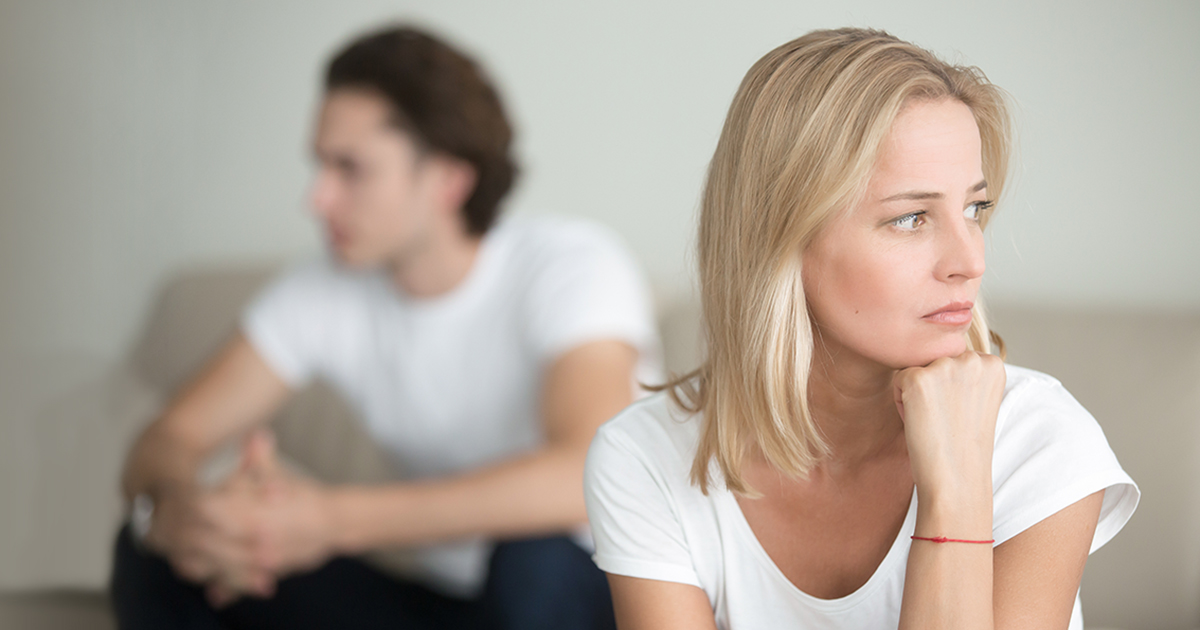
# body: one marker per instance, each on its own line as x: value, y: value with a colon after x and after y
x: 349, y: 259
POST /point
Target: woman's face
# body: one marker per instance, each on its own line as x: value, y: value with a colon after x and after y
x: 893, y: 280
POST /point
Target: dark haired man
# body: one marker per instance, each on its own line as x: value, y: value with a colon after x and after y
x: 481, y: 357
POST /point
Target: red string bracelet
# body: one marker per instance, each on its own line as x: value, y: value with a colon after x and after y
x: 943, y: 539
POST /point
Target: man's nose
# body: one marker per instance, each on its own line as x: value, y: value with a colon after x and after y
x: 324, y: 194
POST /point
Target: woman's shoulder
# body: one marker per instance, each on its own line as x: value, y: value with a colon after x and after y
x: 1050, y: 452
x: 655, y: 431
x: 1037, y: 410
x: 1031, y: 396
x: 642, y: 508
x: 1020, y: 379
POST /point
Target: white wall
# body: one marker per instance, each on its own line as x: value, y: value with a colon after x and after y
x: 138, y: 136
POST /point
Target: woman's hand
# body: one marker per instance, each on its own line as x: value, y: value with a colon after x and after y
x: 949, y: 411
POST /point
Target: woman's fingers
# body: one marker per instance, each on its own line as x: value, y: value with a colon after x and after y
x: 949, y: 409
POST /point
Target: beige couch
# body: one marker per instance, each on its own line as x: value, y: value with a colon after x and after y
x: 1139, y: 373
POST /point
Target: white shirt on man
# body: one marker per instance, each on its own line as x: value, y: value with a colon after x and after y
x: 452, y: 383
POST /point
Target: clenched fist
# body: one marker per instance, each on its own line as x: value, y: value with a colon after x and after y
x: 949, y: 409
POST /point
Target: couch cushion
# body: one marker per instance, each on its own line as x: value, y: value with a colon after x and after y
x: 194, y: 314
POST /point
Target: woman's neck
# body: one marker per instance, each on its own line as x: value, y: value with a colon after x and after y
x: 853, y: 404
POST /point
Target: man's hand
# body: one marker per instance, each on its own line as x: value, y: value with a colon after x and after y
x: 292, y: 529
x: 207, y: 534
x: 241, y: 537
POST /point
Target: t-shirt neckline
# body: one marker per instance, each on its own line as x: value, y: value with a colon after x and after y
x: 483, y: 267
x: 895, y: 554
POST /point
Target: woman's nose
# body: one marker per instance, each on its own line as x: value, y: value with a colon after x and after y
x: 962, y: 251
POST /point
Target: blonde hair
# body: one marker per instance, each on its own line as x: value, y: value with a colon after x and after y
x: 798, y: 146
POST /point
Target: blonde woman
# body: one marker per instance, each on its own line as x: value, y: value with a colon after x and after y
x: 853, y: 454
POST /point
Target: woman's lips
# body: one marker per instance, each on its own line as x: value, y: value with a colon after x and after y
x: 956, y: 314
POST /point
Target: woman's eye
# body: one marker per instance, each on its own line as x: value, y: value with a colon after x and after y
x: 909, y: 221
x: 975, y: 211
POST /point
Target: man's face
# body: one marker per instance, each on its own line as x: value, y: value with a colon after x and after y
x: 373, y: 191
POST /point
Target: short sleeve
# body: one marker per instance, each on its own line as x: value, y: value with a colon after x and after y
x: 287, y: 321
x: 1051, y: 453
x: 587, y: 287
x: 636, y: 530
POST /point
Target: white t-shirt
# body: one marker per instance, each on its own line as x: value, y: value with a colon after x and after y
x: 650, y: 522
x: 452, y: 383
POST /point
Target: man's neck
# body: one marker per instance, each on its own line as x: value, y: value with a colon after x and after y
x: 436, y: 265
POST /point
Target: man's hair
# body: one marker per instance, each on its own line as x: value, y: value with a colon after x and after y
x: 443, y: 99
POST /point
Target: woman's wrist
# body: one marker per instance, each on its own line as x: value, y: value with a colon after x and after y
x: 965, y: 478
x: 960, y: 511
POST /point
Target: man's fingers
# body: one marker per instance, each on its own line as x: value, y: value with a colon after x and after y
x: 264, y: 585
x: 258, y: 454
x: 232, y: 586
x: 219, y: 595
x: 192, y: 566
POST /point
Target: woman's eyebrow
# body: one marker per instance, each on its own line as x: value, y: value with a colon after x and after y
x: 920, y: 194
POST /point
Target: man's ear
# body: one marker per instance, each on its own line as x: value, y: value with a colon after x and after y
x: 457, y: 181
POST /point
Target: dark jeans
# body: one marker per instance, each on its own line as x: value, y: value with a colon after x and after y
x: 532, y: 584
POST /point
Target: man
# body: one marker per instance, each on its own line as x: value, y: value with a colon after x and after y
x: 481, y: 358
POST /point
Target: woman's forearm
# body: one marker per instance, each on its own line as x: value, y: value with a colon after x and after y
x: 949, y: 409
x: 949, y: 584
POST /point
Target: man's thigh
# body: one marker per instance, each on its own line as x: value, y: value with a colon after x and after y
x: 343, y: 593
x: 146, y: 593
x: 546, y: 583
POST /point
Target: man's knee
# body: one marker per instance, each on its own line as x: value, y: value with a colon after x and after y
x: 146, y: 593
x: 547, y: 583
x: 133, y: 569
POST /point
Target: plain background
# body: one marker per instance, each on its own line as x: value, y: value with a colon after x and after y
x: 140, y: 137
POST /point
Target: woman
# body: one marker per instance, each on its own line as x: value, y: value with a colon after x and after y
x: 852, y: 454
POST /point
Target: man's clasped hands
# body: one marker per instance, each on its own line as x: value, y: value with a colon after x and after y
x: 241, y: 536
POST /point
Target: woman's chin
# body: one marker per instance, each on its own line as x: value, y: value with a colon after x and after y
x: 927, y: 355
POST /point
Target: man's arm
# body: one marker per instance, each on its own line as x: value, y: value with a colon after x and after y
x: 541, y: 492
x: 237, y: 391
